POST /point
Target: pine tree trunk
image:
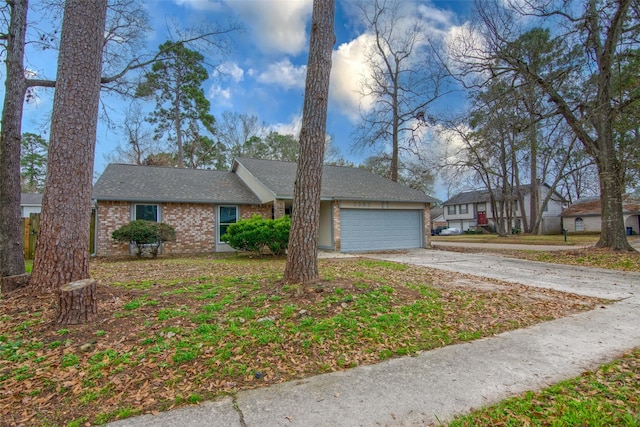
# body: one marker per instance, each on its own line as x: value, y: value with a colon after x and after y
x: 77, y: 302
x: 62, y: 255
x: 302, y: 256
x: 11, y: 243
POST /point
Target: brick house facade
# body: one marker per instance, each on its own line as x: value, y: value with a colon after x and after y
x: 359, y: 210
x: 194, y: 225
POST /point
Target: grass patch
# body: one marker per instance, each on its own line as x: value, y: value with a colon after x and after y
x: 608, y: 396
x: 526, y: 239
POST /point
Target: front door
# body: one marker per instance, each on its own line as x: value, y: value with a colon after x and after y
x: 482, y: 218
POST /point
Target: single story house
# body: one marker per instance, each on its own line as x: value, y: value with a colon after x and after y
x: 30, y: 203
x: 359, y: 211
x: 585, y: 215
x: 472, y: 209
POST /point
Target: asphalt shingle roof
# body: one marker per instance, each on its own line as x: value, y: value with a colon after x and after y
x: 479, y: 196
x: 591, y: 207
x: 338, y: 182
x: 165, y: 184
x: 476, y: 196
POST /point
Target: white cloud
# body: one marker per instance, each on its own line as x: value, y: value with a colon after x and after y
x: 220, y: 96
x: 350, y: 66
x: 348, y: 69
x: 229, y: 70
x: 200, y: 4
x: 277, y: 26
x: 435, y: 19
x: 291, y: 128
x: 284, y: 73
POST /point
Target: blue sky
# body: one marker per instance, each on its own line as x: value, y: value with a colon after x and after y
x: 264, y: 72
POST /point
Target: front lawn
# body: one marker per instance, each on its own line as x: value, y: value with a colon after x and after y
x: 178, y: 331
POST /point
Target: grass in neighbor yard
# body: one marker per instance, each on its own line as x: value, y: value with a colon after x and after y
x: 608, y: 396
x: 178, y: 331
x: 527, y: 239
x: 586, y: 257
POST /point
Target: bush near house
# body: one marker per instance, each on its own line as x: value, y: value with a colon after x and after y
x: 257, y: 234
x: 147, y: 236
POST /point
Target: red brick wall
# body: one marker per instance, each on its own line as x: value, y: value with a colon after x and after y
x: 265, y: 211
x: 336, y: 226
x: 194, y: 225
x: 110, y: 217
x: 278, y: 208
x: 427, y: 225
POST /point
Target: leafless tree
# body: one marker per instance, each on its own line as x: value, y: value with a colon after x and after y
x: 406, y: 76
x: 591, y: 39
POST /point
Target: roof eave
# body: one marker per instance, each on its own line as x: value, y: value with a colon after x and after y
x: 197, y: 201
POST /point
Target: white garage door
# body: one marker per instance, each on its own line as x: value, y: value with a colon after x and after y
x: 372, y: 229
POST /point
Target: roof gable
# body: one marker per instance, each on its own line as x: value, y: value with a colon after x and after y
x: 338, y: 182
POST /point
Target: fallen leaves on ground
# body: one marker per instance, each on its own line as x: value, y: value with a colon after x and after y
x: 178, y: 331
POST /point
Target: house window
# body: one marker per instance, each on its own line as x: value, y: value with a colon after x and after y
x: 464, y: 209
x: 227, y: 215
x: 451, y: 209
x: 515, y: 206
x: 579, y: 224
x: 146, y: 212
x: 481, y: 207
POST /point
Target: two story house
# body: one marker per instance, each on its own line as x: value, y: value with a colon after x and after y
x: 472, y: 209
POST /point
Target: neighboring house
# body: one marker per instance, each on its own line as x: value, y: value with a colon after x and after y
x: 437, y: 217
x: 30, y: 203
x: 586, y: 215
x: 359, y: 211
x: 472, y: 209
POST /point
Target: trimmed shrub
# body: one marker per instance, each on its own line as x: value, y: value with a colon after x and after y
x: 258, y: 235
x: 147, y: 236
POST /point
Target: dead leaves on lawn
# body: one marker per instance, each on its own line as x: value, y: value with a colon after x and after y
x: 177, y: 331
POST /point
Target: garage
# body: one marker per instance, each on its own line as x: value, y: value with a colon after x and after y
x: 380, y: 229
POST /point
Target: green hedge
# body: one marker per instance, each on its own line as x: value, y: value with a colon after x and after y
x: 145, y: 235
x: 257, y: 234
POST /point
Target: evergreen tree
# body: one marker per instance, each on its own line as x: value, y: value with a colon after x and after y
x: 175, y: 81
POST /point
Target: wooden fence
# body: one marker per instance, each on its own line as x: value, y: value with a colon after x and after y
x: 32, y: 229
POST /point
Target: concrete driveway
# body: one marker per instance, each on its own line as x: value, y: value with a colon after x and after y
x: 593, y: 282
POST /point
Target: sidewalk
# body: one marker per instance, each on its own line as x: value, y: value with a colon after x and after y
x: 434, y: 386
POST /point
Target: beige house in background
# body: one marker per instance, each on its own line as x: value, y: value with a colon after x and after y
x: 472, y: 209
x: 359, y: 211
x: 586, y: 215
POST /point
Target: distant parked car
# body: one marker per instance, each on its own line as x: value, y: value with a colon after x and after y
x: 452, y: 231
x: 437, y: 230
